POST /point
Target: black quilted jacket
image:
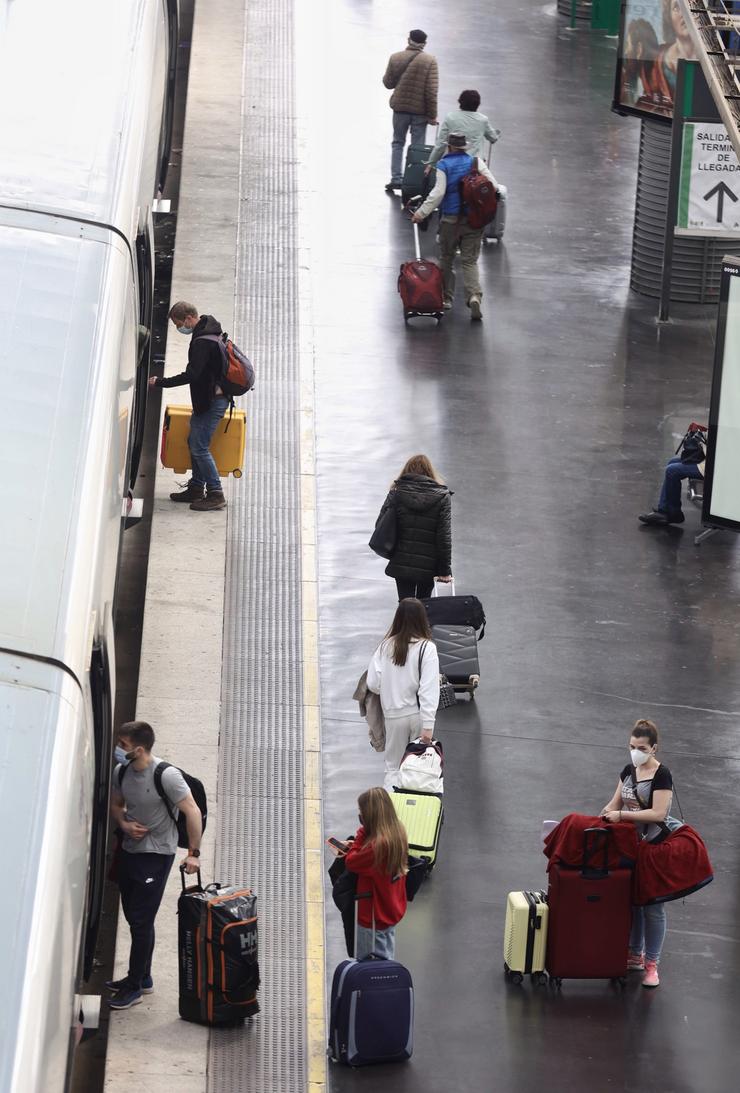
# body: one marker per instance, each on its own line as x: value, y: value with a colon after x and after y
x: 424, y: 544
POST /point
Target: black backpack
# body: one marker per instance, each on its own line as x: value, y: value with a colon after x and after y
x: 195, y: 786
x: 693, y: 446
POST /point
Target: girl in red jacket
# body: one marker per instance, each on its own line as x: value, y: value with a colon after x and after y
x: 379, y: 856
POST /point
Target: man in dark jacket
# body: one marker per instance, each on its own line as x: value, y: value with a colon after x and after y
x: 204, y: 370
x: 414, y: 78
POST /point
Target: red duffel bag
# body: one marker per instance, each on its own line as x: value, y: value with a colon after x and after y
x: 671, y: 869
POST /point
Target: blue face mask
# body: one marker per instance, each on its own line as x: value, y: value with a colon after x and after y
x: 183, y: 330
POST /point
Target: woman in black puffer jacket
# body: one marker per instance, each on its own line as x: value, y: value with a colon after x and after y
x: 423, y: 549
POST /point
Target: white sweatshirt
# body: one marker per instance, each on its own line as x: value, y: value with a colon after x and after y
x: 399, y: 687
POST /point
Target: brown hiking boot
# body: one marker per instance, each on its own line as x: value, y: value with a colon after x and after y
x: 213, y: 501
x: 190, y: 493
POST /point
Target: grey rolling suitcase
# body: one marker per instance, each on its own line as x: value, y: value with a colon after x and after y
x: 494, y: 232
x: 457, y: 647
x: 415, y: 182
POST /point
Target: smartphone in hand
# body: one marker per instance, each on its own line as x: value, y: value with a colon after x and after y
x: 337, y: 845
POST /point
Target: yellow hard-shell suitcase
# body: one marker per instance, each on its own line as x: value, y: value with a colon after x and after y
x: 227, y: 444
x: 525, y: 936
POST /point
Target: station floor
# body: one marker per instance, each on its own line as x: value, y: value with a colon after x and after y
x: 551, y: 421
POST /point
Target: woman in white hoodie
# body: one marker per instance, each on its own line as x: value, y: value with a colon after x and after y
x: 404, y: 671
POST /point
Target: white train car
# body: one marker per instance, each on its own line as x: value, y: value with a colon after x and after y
x: 86, y: 91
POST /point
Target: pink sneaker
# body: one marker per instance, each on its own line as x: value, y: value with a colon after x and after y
x: 651, y: 978
x: 635, y: 962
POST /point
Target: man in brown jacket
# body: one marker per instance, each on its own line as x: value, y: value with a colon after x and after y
x: 413, y: 75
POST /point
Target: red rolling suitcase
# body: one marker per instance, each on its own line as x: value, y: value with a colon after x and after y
x: 420, y: 286
x: 590, y: 916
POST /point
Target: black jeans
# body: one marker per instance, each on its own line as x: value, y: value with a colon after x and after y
x: 421, y: 588
x: 142, y: 879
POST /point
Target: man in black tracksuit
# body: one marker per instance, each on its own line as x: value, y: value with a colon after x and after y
x: 203, y: 373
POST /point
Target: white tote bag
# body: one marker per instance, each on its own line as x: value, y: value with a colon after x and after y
x: 421, y: 768
x: 443, y: 588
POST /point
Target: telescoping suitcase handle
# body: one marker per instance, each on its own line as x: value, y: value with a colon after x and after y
x: 358, y: 897
x: 196, y: 888
x: 595, y: 843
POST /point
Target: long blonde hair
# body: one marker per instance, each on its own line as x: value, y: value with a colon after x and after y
x: 385, y: 831
x: 421, y: 464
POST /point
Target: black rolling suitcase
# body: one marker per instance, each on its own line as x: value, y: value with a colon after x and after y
x: 457, y: 647
x: 456, y: 611
x: 217, y: 951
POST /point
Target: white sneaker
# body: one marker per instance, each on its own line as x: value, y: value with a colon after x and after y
x: 475, y: 311
x: 447, y: 304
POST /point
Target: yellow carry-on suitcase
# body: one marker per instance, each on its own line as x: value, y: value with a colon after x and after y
x: 525, y: 936
x: 227, y: 443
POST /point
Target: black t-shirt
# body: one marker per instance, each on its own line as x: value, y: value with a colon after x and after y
x: 661, y: 779
x: 639, y: 795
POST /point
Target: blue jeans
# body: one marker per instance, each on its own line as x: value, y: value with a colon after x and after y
x: 202, y: 428
x: 417, y: 123
x: 675, y: 472
x: 385, y: 942
x: 649, y: 926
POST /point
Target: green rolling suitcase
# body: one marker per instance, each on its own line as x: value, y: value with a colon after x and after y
x: 422, y: 815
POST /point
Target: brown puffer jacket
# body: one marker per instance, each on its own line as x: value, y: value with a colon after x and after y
x: 416, y: 82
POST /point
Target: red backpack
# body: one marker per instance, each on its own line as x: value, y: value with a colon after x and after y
x: 238, y: 371
x: 479, y: 196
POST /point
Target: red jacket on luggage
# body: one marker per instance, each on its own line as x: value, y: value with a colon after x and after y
x: 388, y: 894
x: 564, y: 844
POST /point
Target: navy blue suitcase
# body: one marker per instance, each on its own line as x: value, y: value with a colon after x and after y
x: 372, y: 1012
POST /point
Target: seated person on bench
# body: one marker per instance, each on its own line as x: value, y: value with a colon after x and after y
x: 689, y: 464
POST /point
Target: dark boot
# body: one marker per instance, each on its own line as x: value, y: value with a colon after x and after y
x: 190, y: 493
x: 214, y: 500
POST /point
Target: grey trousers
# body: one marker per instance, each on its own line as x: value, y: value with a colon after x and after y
x: 452, y: 233
x: 399, y: 731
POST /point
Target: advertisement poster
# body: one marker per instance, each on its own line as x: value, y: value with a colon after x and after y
x: 654, y: 38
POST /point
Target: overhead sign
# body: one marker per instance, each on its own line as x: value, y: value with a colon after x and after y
x: 709, y: 185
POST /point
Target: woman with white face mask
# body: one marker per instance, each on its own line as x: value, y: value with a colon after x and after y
x: 643, y: 796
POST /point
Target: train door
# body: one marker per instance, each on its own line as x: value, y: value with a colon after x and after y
x: 145, y: 279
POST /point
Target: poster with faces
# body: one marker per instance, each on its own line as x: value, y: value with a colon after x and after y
x: 655, y: 38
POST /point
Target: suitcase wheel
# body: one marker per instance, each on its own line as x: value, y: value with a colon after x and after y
x: 513, y: 977
x: 556, y: 982
x: 538, y: 979
x: 237, y: 473
x: 619, y: 981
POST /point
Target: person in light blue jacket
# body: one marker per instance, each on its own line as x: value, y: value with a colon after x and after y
x: 476, y: 127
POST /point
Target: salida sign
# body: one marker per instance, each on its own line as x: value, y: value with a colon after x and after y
x: 709, y: 187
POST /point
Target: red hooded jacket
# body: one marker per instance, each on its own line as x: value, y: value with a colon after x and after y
x: 388, y: 894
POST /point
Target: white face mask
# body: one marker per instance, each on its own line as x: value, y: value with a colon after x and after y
x: 638, y: 757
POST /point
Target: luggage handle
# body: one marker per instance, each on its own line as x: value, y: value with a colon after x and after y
x: 358, y: 897
x: 417, y: 242
x: 595, y: 841
x: 199, y: 887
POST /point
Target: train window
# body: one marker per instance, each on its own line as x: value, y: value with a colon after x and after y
x: 145, y: 278
x: 102, y: 714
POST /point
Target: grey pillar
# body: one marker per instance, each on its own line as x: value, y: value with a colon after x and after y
x: 696, y: 261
